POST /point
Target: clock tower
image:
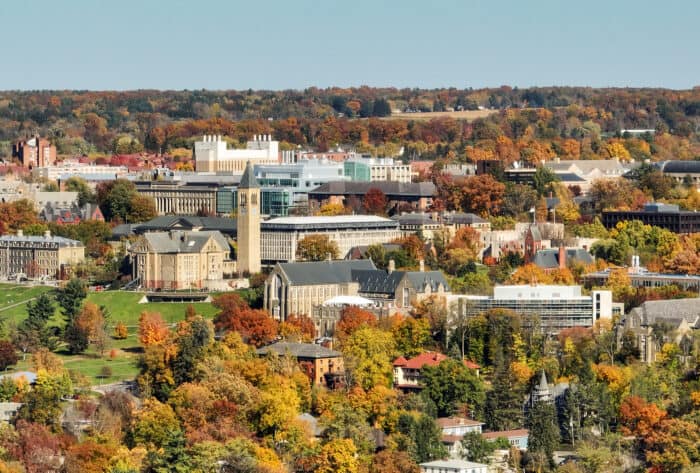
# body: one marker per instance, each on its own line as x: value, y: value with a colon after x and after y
x: 248, y: 222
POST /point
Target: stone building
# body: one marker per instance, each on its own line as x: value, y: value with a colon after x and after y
x: 248, y: 223
x: 181, y: 259
x: 34, y: 152
x: 46, y: 256
x: 213, y: 155
x: 177, y: 198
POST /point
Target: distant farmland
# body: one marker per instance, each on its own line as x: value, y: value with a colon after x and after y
x: 462, y: 115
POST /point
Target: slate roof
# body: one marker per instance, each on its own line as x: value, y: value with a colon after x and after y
x: 536, y: 235
x: 382, y: 282
x: 570, y: 177
x: 415, y: 219
x: 464, y: 218
x: 681, y: 167
x: 324, y: 272
x: 361, y: 250
x: 299, y: 350
x: 248, y: 180
x: 549, y: 258
x: 60, y: 241
x: 166, y: 222
x: 672, y: 311
x: 390, y: 188
x: 419, y: 279
x: 183, y: 241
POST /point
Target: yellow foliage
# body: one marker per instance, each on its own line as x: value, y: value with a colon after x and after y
x: 522, y: 372
x: 695, y: 397
x: 616, y: 149
x: 617, y: 378
x: 331, y: 209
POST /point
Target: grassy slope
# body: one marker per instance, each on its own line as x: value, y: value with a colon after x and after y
x: 122, y: 306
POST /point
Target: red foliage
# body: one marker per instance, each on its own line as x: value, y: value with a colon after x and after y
x: 351, y: 319
x: 255, y: 326
x: 305, y: 324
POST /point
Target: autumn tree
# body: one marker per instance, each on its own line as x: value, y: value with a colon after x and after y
x: 482, y: 195
x: 254, y: 325
x: 331, y: 209
x: 317, y: 248
x: 300, y: 327
x: 353, y: 318
x: 8, y: 354
x: 368, y: 354
x: 152, y: 329
x: 375, y: 202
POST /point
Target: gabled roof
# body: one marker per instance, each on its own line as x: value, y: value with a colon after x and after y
x: 377, y: 281
x: 671, y: 311
x: 549, y: 258
x: 421, y: 279
x: 299, y: 350
x: 446, y: 422
x: 323, y: 272
x: 506, y: 434
x: 428, y: 358
x: 361, y: 250
x: 248, y: 180
x: 183, y: 241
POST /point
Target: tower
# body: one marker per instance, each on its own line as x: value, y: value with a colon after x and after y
x: 541, y: 392
x: 248, y: 222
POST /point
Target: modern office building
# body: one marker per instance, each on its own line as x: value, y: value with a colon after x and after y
x: 212, y: 154
x: 280, y: 236
x: 642, y: 277
x: 558, y: 307
x: 67, y: 169
x: 276, y: 202
x: 46, y: 256
x: 303, y: 176
x: 661, y: 215
x: 366, y: 169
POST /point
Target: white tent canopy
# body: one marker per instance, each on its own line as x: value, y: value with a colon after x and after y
x: 348, y: 300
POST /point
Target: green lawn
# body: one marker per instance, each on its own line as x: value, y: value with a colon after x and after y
x: 123, y: 307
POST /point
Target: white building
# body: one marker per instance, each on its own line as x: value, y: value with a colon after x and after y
x: 558, y: 307
x: 453, y: 466
x: 280, y: 236
x: 212, y: 154
x: 68, y: 169
x: 379, y: 169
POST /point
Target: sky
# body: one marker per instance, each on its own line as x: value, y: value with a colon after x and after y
x: 295, y: 44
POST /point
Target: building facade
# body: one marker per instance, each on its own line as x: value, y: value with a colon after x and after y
x: 65, y: 170
x: 377, y: 169
x: 47, y: 256
x: 177, y: 198
x: 319, y: 363
x: 248, y: 223
x: 661, y: 215
x: 213, y: 155
x: 280, y: 236
x: 557, y: 307
x: 180, y: 260
x: 414, y: 195
x: 34, y: 152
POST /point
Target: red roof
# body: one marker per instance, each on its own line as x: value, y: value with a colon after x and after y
x: 428, y: 358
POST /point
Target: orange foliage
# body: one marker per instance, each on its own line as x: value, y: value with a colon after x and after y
x: 351, y: 319
x: 152, y: 329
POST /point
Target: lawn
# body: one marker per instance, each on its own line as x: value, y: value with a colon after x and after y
x: 122, y: 306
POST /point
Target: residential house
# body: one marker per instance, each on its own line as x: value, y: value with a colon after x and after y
x: 453, y: 430
x: 517, y: 438
x: 407, y: 373
x: 318, y: 362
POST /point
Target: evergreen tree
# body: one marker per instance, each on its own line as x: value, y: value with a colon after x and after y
x: 70, y: 298
x: 33, y: 330
x: 450, y: 385
x: 544, y: 431
x: 76, y: 338
x: 191, y: 346
x: 423, y: 437
x: 504, y: 403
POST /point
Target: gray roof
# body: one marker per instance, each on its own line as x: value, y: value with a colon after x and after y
x: 421, y: 279
x: 382, y: 282
x: 323, y: 272
x: 466, y: 218
x: 167, y: 222
x: 681, y: 167
x: 183, y: 241
x: 415, y: 219
x: 299, y: 350
x: 390, y: 188
x: 60, y: 241
x: 362, y: 249
x: 536, y: 234
x: 671, y: 311
x: 549, y: 258
x: 248, y: 181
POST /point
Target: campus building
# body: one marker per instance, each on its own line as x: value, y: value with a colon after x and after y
x: 213, y: 155
x: 34, y: 152
x: 377, y: 169
x: 661, y: 215
x: 557, y: 307
x: 178, y: 198
x: 280, y: 236
x: 318, y: 362
x: 181, y: 259
x: 46, y: 256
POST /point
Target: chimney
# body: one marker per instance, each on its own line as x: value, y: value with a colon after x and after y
x: 421, y: 266
x: 392, y: 266
x: 562, y: 257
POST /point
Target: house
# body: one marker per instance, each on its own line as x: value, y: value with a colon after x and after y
x: 318, y: 362
x: 181, y: 260
x: 517, y: 438
x: 453, y: 466
x: 551, y: 259
x: 454, y: 429
x: 8, y: 410
x: 72, y: 215
x: 407, y: 372
x: 677, y: 317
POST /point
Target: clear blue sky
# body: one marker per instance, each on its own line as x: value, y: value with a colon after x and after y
x: 263, y: 44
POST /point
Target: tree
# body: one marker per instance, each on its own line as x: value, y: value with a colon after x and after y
x: 412, y: 336
x: 451, y: 385
x: 303, y: 325
x: 337, y: 456
x: 424, y: 436
x: 255, y: 326
x: 375, y: 202
x: 482, y: 195
x: 121, y: 331
x: 17, y: 215
x: 154, y: 424
x: 504, y: 402
x: 368, y: 356
x: 80, y: 185
x: 331, y: 209
x: 544, y: 431
x: 194, y: 336
x: 351, y: 319
x: 476, y: 448
x: 70, y: 298
x: 152, y: 329
x: 390, y: 461
x: 8, y: 354
x: 544, y: 178
x: 43, y: 403
x: 33, y: 331
x: 317, y: 248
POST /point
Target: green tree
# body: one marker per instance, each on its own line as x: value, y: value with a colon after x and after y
x: 544, y: 431
x: 476, y: 448
x: 451, y: 385
x: 33, y: 331
x: 504, y: 410
x: 42, y: 404
x: 196, y: 335
x: 80, y: 185
x: 543, y: 180
x: 423, y: 436
x: 70, y: 298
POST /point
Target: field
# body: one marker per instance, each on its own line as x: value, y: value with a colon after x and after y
x: 468, y: 115
x: 122, y: 355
